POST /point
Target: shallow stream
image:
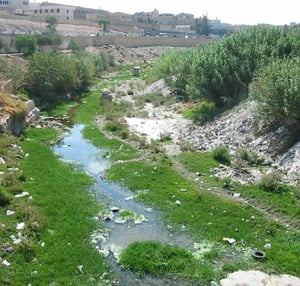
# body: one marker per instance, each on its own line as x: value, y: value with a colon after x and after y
x: 146, y: 225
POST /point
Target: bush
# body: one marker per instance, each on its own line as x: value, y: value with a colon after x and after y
x: 5, y: 198
x: 222, y: 70
x: 221, y: 154
x: 249, y: 156
x: 53, y: 77
x: 276, y: 90
x: 272, y: 182
x: 26, y: 44
x: 204, y: 112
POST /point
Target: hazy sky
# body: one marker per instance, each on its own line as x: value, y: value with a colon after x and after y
x: 228, y: 11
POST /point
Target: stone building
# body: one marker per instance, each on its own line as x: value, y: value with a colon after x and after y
x: 10, y: 5
x: 64, y: 12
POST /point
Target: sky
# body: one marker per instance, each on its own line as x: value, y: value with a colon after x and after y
x: 228, y: 11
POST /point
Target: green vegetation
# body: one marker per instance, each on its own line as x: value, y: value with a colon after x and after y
x: 54, y: 249
x: 26, y: 44
x: 54, y: 77
x: 205, y: 215
x: 221, y: 154
x: 203, y: 112
x: 52, y: 246
x: 221, y: 71
x: 276, y: 90
x: 157, y: 259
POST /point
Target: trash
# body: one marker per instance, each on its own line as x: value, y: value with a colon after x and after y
x: 231, y: 241
x: 17, y: 240
x: 5, y: 262
x: 178, y: 203
x: 80, y: 268
x: 42, y: 244
x: 129, y: 198
x: 267, y: 245
x: 20, y: 226
x: 9, y: 212
x: 258, y: 254
x: 23, y: 194
x: 9, y: 249
x: 236, y: 195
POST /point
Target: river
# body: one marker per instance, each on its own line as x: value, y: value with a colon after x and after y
x: 146, y: 225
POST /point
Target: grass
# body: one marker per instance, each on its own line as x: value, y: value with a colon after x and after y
x: 157, y: 258
x: 55, y: 246
x: 118, y: 149
x: 286, y: 202
x: 207, y: 216
x: 58, y: 222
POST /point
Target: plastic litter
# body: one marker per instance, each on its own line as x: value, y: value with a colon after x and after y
x: 23, y: 194
x: 231, y: 241
x: 5, y: 262
x: 20, y: 226
x: 9, y: 212
x: 80, y: 268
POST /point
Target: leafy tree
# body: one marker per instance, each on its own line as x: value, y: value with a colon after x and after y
x: 104, y: 24
x: 26, y: 44
x: 52, y: 23
x: 202, y: 26
x: 51, y: 77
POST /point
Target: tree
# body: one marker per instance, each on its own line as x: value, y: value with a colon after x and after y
x: 26, y: 44
x: 1, y: 44
x: 50, y: 77
x: 50, y: 37
x: 202, y: 26
x: 52, y: 23
x: 104, y: 23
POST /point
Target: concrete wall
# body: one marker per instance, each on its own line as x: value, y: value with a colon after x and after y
x: 134, y: 42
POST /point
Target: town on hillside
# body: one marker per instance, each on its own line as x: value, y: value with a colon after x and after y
x: 153, y: 23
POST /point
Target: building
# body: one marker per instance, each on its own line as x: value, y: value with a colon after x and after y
x: 45, y: 9
x: 185, y: 19
x: 10, y: 5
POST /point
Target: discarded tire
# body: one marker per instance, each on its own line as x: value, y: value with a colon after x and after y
x: 258, y: 254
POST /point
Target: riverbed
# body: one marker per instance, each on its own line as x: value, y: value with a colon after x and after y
x: 118, y: 230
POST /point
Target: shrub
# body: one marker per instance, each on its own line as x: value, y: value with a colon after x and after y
x: 5, y: 198
x: 204, y: 112
x: 272, y: 182
x: 26, y: 44
x: 249, y: 156
x: 276, y: 90
x: 221, y: 154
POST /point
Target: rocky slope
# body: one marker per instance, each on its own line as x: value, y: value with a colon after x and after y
x: 233, y: 129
